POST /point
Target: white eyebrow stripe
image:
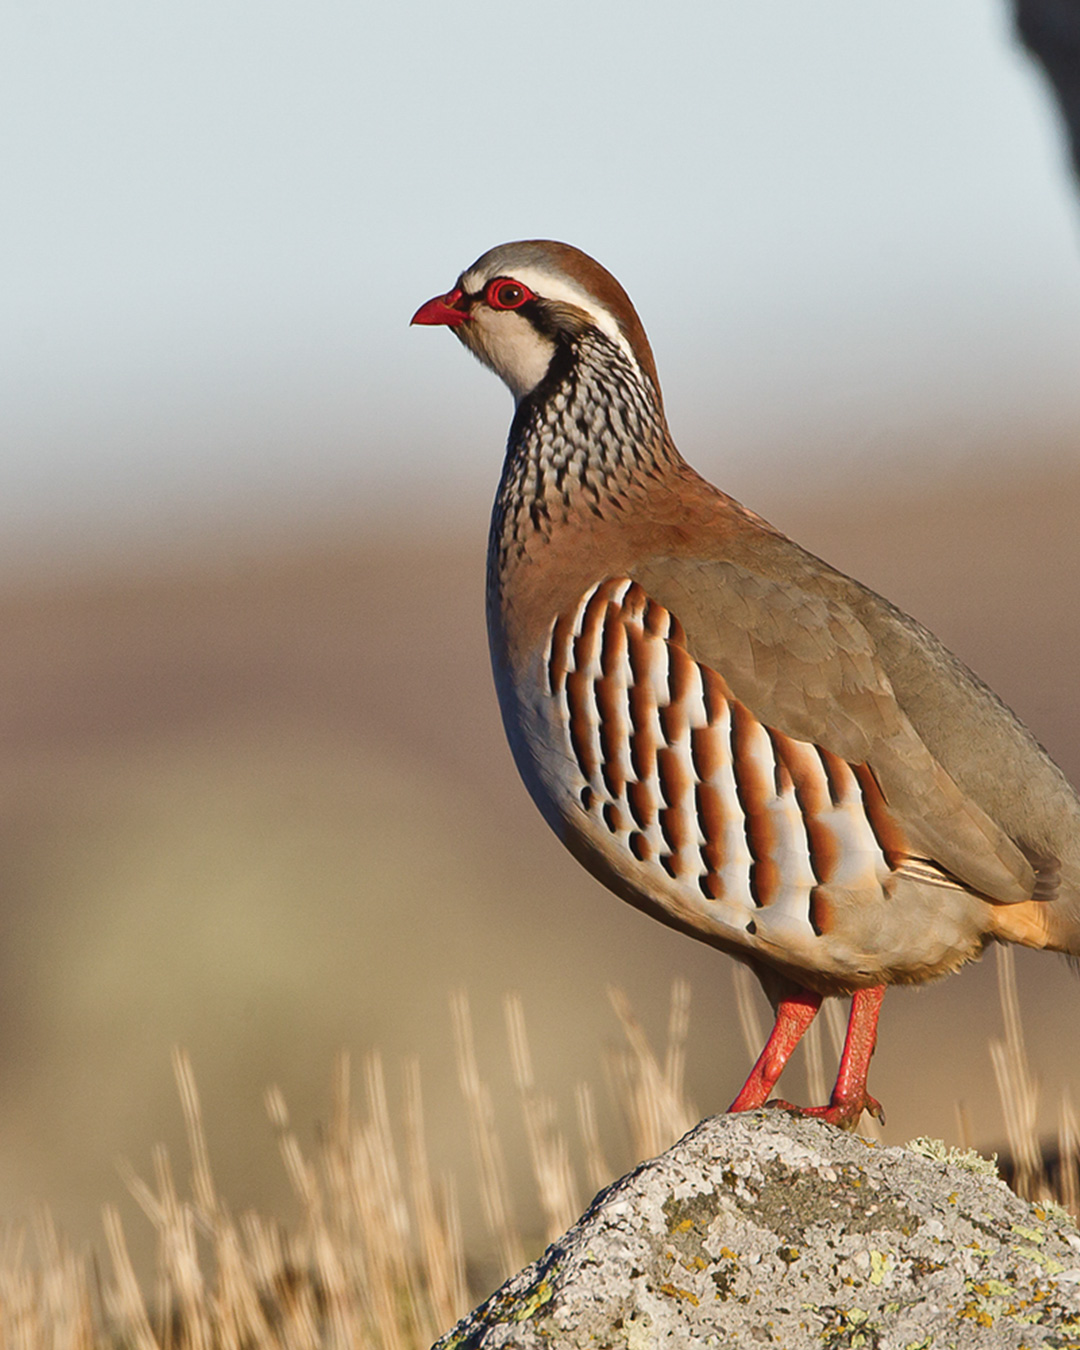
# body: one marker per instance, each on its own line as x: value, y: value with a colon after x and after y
x: 557, y: 288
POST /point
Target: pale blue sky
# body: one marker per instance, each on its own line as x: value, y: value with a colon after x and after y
x: 847, y: 227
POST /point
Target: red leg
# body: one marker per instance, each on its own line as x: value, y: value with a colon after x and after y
x: 850, y: 1097
x: 793, y: 1016
x: 858, y: 1047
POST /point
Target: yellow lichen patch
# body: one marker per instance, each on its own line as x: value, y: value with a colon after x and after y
x: 975, y: 1313
x: 673, y: 1291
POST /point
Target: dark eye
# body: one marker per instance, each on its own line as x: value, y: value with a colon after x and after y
x: 503, y: 294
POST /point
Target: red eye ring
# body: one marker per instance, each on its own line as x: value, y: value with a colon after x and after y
x: 505, y: 293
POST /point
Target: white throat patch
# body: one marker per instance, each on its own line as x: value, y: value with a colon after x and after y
x: 509, y: 345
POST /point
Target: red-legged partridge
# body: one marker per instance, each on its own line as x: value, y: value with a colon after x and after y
x: 726, y: 731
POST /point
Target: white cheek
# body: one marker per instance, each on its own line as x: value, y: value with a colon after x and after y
x: 513, y: 349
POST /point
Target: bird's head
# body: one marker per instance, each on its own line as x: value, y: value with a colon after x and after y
x: 521, y: 306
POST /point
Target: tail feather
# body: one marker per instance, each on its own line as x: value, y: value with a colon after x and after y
x: 1053, y: 925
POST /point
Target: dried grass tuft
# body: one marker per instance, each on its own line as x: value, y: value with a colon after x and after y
x: 1034, y: 1167
x: 376, y: 1260
x: 650, y: 1092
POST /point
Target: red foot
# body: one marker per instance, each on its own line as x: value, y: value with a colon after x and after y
x: 845, y: 1115
x: 849, y: 1097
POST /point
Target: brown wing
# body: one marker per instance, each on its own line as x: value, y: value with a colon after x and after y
x: 804, y: 662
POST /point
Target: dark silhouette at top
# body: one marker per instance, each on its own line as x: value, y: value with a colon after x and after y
x: 1050, y: 29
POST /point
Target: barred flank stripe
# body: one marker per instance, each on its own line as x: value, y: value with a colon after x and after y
x: 687, y: 780
x: 754, y: 789
x: 886, y: 831
x: 583, y: 723
x: 813, y: 796
x: 559, y: 653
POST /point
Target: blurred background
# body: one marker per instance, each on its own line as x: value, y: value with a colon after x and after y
x: 254, y: 796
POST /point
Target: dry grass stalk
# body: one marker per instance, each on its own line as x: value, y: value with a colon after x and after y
x: 47, y: 1304
x: 964, y: 1133
x: 835, y: 1025
x: 753, y: 1033
x: 1018, y: 1092
x: 597, y: 1171
x: 816, y: 1086
x: 652, y: 1095
x: 678, y: 1032
x: 1068, y: 1178
x: 1068, y: 1156
x: 350, y: 1290
x: 437, y: 1220
x: 63, y: 1308
x: 1017, y: 1088
x: 549, y: 1152
x: 125, y: 1307
x: 487, y: 1150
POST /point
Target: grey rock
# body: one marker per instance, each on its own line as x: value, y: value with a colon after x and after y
x: 765, y: 1229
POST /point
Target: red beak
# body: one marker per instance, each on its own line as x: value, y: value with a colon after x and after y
x: 443, y: 309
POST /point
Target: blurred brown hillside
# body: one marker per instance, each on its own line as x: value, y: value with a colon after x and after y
x: 263, y: 808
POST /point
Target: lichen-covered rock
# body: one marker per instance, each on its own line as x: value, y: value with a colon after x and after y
x: 764, y: 1229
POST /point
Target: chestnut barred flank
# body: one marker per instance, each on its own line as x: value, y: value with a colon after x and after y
x: 687, y: 780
